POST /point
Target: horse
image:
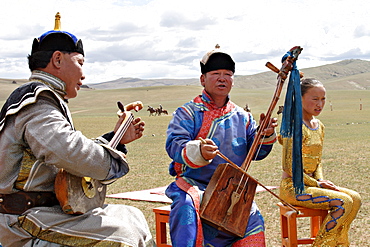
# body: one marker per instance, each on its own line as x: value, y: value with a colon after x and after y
x: 158, y: 111
x: 152, y: 111
x: 247, y: 108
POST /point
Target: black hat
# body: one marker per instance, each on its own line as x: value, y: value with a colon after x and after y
x: 56, y: 40
x: 216, y: 59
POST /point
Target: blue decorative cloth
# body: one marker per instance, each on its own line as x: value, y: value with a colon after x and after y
x: 291, y: 125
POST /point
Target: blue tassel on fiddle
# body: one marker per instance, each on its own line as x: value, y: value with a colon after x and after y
x: 291, y: 125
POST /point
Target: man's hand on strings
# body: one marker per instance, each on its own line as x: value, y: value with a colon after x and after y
x: 272, y: 124
x: 208, y: 149
x: 133, y: 132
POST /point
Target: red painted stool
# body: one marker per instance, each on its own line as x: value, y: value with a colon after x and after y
x: 162, y: 215
x: 288, y: 222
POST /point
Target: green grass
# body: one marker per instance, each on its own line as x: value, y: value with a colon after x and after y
x: 346, y: 150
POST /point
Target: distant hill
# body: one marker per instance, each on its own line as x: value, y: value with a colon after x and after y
x: 344, y: 75
x: 136, y: 82
x: 13, y: 81
x: 352, y: 74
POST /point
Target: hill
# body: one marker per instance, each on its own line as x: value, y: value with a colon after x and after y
x: 136, y: 82
x: 352, y: 74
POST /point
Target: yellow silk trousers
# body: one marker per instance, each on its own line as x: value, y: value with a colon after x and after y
x: 320, y: 198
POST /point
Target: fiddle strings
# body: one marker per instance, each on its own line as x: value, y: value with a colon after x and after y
x: 121, y: 130
x: 255, y: 158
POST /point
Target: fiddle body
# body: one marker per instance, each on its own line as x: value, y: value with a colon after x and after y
x: 227, y: 207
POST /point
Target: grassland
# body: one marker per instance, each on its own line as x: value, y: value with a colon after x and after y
x: 346, y: 152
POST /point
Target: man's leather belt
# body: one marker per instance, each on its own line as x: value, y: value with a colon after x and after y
x: 17, y: 203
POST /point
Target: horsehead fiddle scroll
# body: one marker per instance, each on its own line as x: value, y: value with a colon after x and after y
x: 231, y: 186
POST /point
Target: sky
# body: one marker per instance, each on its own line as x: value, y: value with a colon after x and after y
x: 151, y: 39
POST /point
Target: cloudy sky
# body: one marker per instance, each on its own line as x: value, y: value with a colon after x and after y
x: 167, y: 38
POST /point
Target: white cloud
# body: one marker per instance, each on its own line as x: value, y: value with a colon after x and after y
x: 166, y: 38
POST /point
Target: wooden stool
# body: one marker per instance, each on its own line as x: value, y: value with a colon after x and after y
x: 288, y: 222
x: 162, y: 215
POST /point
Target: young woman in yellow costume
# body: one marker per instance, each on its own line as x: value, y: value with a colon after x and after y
x: 343, y: 204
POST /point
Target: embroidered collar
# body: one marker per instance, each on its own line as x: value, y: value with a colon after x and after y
x: 210, y: 102
x: 49, y: 80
